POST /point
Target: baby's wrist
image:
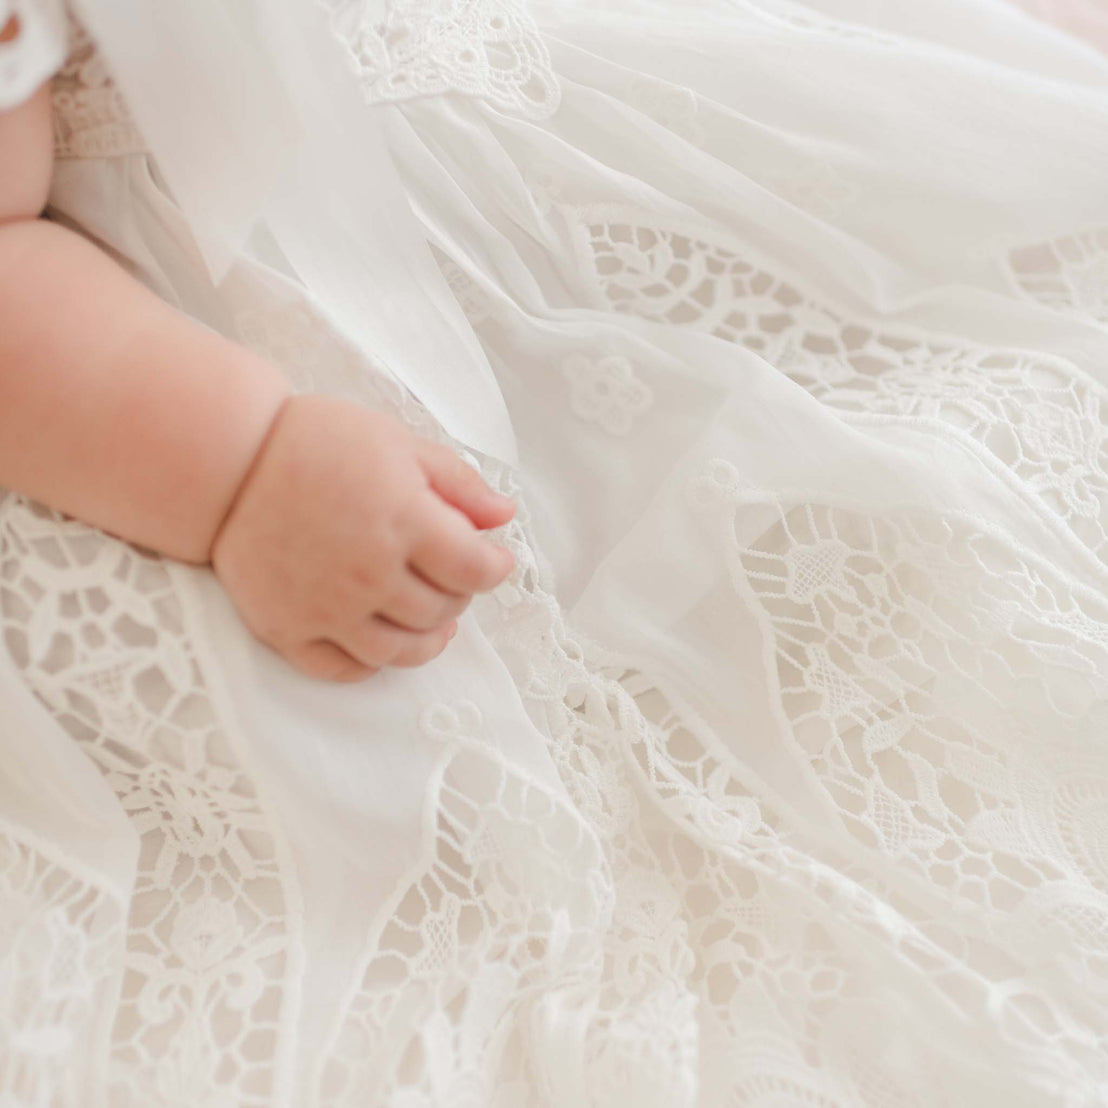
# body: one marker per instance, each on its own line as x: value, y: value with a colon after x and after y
x: 245, y: 479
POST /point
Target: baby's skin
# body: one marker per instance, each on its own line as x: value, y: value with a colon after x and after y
x: 346, y: 542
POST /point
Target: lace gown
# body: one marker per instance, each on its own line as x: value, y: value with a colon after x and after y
x: 777, y: 775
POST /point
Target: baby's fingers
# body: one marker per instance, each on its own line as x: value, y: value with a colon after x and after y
x: 326, y: 661
x: 463, y: 487
x: 377, y: 643
x: 418, y: 606
x: 427, y: 647
x: 451, y: 555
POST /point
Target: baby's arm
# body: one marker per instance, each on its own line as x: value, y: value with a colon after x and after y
x: 113, y: 407
x: 345, y: 542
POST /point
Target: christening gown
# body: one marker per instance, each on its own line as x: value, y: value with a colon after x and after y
x: 777, y: 774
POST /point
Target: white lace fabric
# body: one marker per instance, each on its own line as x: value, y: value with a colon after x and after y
x: 97, y: 628
x: 482, y: 48
x: 59, y: 938
x: 91, y: 119
x: 1068, y: 274
x: 775, y: 773
x: 1040, y: 416
x: 489, y: 49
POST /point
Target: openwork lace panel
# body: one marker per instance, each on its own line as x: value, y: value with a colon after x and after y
x: 543, y: 970
x: 665, y: 910
x: 61, y: 937
x: 90, y: 116
x: 97, y: 629
x: 490, y: 49
x: 1069, y: 274
x: 661, y: 912
x: 918, y: 661
x: 1037, y: 414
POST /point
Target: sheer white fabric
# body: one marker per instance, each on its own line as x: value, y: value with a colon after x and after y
x: 777, y: 774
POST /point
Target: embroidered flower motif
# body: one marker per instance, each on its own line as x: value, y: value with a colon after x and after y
x: 673, y: 106
x: 606, y: 391
x: 190, y: 813
x: 451, y: 722
x: 204, y: 933
x: 717, y: 484
x: 489, y: 49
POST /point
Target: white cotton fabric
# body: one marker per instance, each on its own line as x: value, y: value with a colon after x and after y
x: 776, y: 775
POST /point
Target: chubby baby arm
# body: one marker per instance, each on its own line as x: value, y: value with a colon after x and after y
x: 346, y: 542
x: 113, y: 407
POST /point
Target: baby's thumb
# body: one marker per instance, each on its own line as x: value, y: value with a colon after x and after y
x: 463, y: 488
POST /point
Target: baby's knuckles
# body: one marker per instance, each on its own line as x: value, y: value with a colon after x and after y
x: 374, y: 575
x: 481, y: 568
x: 324, y: 524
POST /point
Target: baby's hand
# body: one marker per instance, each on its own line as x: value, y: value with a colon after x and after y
x: 354, y: 544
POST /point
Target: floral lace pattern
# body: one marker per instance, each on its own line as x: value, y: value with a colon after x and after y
x: 490, y: 49
x: 90, y: 117
x: 97, y: 629
x: 519, y: 913
x: 606, y: 391
x: 60, y: 943
x: 1069, y: 274
x: 649, y: 924
x: 886, y: 660
x: 1038, y: 415
x: 711, y: 925
x: 673, y: 106
x: 660, y: 911
x: 512, y: 901
x: 714, y: 928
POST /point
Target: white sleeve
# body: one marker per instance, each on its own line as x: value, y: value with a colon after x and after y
x: 37, y: 50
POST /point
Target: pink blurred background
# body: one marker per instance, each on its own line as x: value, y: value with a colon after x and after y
x: 1086, y: 18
